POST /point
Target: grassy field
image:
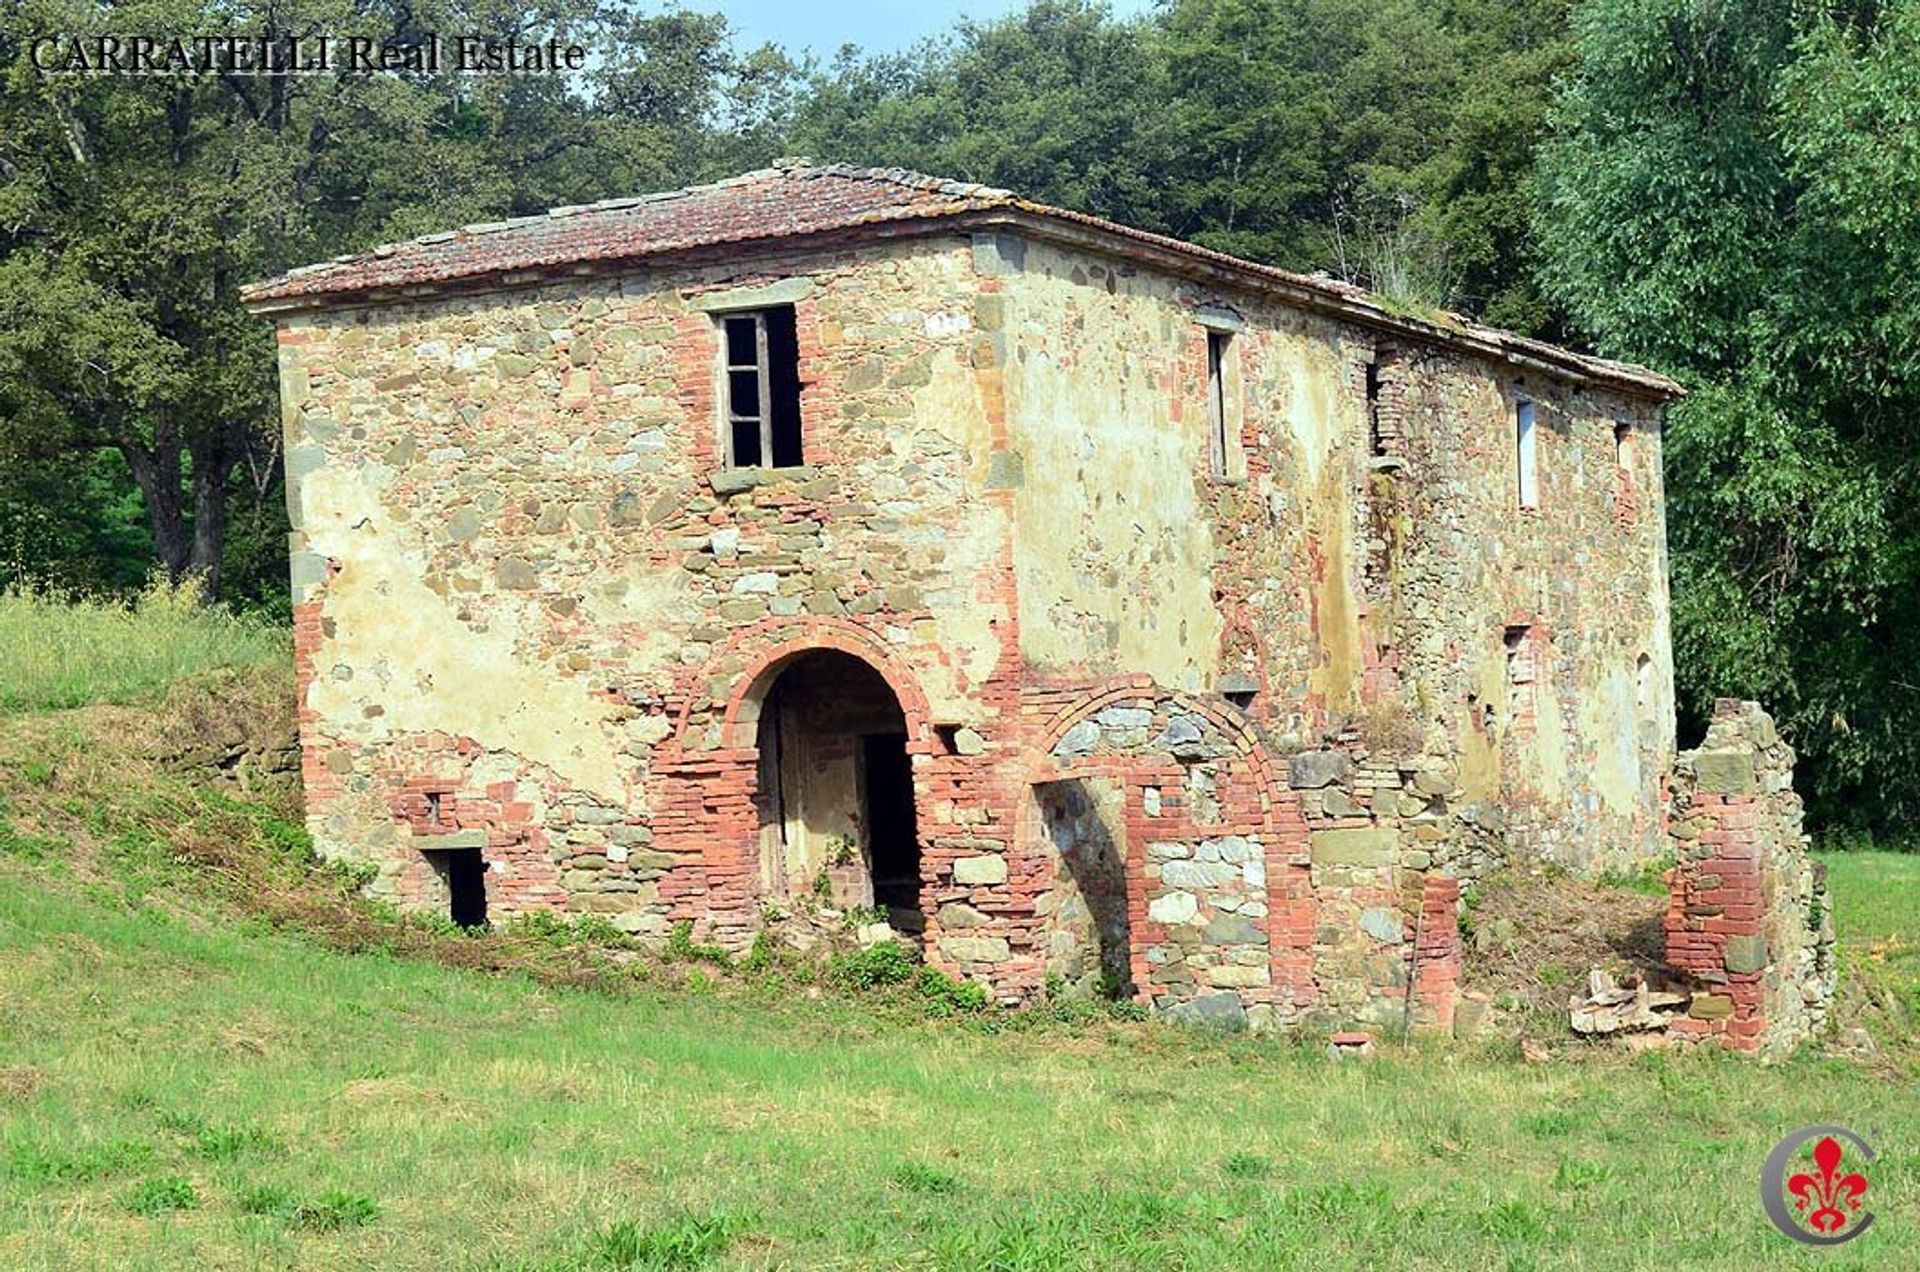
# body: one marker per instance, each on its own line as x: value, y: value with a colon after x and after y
x: 206, y: 1064
x: 63, y: 651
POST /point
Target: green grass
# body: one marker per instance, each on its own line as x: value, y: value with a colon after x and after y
x: 227, y: 1071
x: 227, y: 1096
x: 66, y: 651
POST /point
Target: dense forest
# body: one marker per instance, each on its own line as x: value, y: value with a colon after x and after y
x: 1729, y: 192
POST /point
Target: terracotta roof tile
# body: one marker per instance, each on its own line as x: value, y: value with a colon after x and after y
x: 795, y: 199
x: 782, y: 202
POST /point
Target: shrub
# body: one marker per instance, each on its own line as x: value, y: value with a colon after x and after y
x: 946, y: 995
x: 887, y: 963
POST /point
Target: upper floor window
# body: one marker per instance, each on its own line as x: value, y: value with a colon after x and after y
x: 1217, y: 415
x: 1526, y: 455
x: 760, y: 393
x: 1623, y: 446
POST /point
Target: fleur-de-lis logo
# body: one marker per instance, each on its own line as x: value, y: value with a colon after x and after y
x: 1828, y: 1202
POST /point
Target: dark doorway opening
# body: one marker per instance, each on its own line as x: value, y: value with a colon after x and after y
x: 893, y: 841
x: 464, y: 872
x: 835, y: 788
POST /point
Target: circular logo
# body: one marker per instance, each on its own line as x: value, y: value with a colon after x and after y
x: 1818, y: 1202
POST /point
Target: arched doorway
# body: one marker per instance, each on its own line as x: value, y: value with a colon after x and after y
x: 834, y: 792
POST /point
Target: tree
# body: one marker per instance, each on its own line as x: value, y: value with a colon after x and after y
x: 1728, y: 195
x: 1390, y: 141
x: 134, y: 208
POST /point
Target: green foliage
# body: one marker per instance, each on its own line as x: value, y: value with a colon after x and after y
x: 137, y: 416
x: 887, y: 963
x: 686, y: 1241
x: 945, y: 996
x: 681, y: 947
x: 1727, y: 195
x: 1649, y: 877
x: 917, y: 1177
x: 161, y: 1196
x: 334, y: 1210
x: 1389, y: 142
x: 45, y: 1164
x: 1247, y: 1166
x: 65, y: 651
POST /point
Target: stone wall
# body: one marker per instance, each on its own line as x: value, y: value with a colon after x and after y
x: 1748, y: 921
x: 1229, y: 738
x: 1363, y: 558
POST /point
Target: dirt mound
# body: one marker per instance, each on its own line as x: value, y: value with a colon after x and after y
x: 1532, y: 935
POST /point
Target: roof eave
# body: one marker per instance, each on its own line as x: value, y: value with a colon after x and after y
x: 271, y: 299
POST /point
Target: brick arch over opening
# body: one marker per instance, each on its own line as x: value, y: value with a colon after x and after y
x: 1226, y: 718
x: 761, y: 652
x: 1264, y: 807
x: 705, y: 810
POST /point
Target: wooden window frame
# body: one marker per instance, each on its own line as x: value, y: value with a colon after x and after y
x: 762, y: 366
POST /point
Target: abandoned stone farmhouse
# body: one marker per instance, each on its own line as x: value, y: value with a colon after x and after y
x: 1116, y: 615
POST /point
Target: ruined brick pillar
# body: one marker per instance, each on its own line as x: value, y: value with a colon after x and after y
x: 1748, y: 924
x: 1436, y: 955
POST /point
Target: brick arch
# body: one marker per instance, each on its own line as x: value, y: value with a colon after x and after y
x: 1275, y: 816
x: 765, y: 649
x: 1228, y: 720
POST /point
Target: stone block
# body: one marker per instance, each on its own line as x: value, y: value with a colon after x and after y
x: 451, y: 842
x: 1357, y: 846
x: 1173, y: 908
x: 976, y: 949
x: 1237, y: 976
x: 1710, y: 1007
x: 1747, y: 954
x: 1311, y: 770
x: 1198, y: 874
x: 975, y: 871
x: 1382, y: 924
x: 958, y: 915
x: 1214, y: 1011
x: 1230, y: 929
x: 1078, y: 740
x: 1725, y: 773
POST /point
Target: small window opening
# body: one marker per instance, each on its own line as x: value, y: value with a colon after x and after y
x: 1376, y: 444
x: 1525, y: 455
x: 433, y: 808
x: 1623, y: 446
x: 1217, y: 420
x: 465, y: 874
x: 761, y: 353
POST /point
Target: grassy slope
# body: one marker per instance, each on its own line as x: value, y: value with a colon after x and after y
x: 498, y: 1124
x: 63, y: 651
x: 153, y: 1049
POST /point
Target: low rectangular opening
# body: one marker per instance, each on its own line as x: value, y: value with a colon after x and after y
x: 463, y: 872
